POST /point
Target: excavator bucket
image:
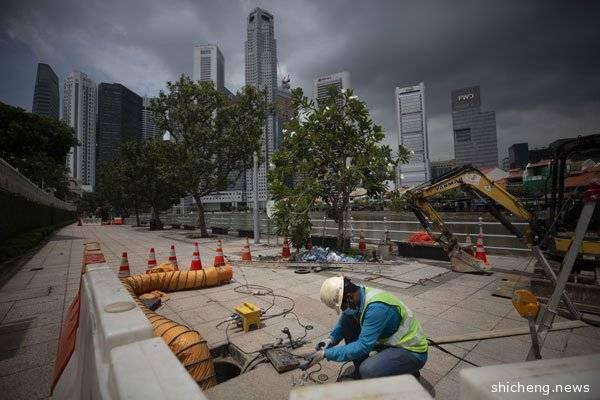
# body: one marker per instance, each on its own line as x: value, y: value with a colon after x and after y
x: 461, y: 261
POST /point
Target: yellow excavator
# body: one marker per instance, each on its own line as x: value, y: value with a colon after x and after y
x: 473, y: 181
x: 542, y: 233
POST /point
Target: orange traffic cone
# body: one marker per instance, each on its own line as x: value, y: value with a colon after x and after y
x: 124, y: 267
x: 285, y: 252
x: 151, y: 260
x: 196, y: 262
x: 246, y: 255
x: 480, y: 250
x: 362, y: 243
x: 173, y: 258
x: 219, y: 257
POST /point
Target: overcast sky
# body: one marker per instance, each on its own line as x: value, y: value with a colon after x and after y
x: 538, y: 63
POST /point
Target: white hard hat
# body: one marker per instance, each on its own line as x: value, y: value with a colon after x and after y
x: 332, y: 292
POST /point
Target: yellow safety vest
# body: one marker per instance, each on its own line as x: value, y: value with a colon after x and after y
x: 409, y: 334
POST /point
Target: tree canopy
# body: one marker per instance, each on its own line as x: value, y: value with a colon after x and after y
x: 331, y: 148
x: 36, y: 145
x: 214, y: 136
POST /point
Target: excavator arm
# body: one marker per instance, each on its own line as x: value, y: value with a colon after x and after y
x: 471, y: 180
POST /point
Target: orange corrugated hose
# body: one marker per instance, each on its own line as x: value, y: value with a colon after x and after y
x: 187, y: 344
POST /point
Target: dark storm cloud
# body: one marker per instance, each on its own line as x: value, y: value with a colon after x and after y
x: 537, y: 62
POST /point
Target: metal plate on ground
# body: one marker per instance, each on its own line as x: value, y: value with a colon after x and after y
x: 282, y: 361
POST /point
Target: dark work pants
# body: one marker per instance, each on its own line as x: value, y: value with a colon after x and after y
x: 387, y: 362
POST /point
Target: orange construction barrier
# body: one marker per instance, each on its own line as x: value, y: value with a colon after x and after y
x: 419, y: 237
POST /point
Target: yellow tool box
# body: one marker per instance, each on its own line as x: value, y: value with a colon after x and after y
x: 250, y: 314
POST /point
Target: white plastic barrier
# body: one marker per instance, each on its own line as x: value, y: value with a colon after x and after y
x: 390, y: 388
x: 560, y: 378
x: 116, y: 354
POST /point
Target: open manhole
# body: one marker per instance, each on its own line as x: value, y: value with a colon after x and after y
x: 226, y: 370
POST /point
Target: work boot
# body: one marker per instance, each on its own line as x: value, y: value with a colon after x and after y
x: 349, y: 374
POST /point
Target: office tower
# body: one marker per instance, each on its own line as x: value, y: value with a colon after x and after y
x: 209, y: 65
x: 412, y: 134
x: 475, y: 140
x: 149, y: 128
x: 283, y: 110
x: 45, y: 95
x: 439, y: 168
x: 340, y: 80
x: 261, y: 72
x: 79, y: 112
x: 518, y: 155
x: 119, y: 121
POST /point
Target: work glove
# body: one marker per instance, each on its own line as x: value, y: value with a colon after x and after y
x: 322, y: 345
x: 314, y: 358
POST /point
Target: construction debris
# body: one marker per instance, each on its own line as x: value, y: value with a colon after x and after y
x: 325, y: 255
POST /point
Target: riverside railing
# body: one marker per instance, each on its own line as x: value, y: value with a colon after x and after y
x: 495, y: 235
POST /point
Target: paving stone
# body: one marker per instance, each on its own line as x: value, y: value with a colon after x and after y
x: 189, y: 303
x: 422, y: 306
x: 443, y: 296
x: 7, y: 294
x: 485, y: 306
x: 30, y: 384
x: 442, y: 363
x: 476, y: 319
x: 439, y: 326
x: 447, y: 389
x: 13, y: 336
x: 510, y: 350
x: 4, y: 309
x: 15, y: 360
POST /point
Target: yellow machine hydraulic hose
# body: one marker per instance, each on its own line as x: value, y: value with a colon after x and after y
x: 187, y: 344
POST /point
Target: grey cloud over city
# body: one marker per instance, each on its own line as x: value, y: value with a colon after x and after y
x: 537, y: 63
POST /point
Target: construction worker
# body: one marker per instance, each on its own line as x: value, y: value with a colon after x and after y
x: 371, y: 319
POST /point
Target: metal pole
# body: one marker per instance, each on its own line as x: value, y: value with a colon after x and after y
x: 255, y: 189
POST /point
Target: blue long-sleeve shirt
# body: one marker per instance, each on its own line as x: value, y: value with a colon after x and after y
x: 380, y: 321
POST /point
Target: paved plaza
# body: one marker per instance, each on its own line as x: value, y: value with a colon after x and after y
x: 34, y: 298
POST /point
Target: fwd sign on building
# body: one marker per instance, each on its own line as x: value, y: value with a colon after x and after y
x: 466, y: 98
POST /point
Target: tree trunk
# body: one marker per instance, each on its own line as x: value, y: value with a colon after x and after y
x: 201, y: 220
x: 137, y: 215
x: 340, y: 232
x: 156, y: 218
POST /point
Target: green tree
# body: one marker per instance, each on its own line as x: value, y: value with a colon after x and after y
x: 150, y: 173
x: 216, y: 137
x: 37, y: 146
x: 120, y: 185
x: 330, y: 149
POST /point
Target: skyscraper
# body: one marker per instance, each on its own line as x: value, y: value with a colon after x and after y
x: 46, y: 96
x: 149, y: 128
x: 518, y: 155
x: 412, y: 134
x: 340, y: 80
x: 261, y: 72
x: 475, y: 140
x: 119, y: 121
x: 209, y: 65
x: 79, y: 112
